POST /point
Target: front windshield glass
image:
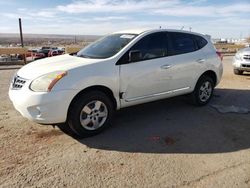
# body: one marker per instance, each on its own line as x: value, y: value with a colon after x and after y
x: 106, y: 46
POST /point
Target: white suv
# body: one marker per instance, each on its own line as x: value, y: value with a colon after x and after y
x: 241, y: 61
x: 119, y: 70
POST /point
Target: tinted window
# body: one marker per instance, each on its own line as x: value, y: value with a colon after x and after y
x: 200, y: 41
x: 181, y: 43
x: 151, y: 46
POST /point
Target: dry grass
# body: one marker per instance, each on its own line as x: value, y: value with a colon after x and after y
x: 72, y: 49
x: 228, y: 47
x: 13, y: 51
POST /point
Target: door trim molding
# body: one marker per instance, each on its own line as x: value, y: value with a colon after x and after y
x: 156, y: 94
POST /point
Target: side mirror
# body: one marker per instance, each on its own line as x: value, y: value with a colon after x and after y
x: 135, y: 55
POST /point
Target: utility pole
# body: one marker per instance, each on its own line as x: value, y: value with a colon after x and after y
x: 21, y: 37
x: 21, y: 31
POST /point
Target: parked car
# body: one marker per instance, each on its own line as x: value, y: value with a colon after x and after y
x: 241, y: 61
x: 34, y: 54
x: 55, y: 53
x: 120, y: 70
x: 46, y: 50
x: 38, y: 55
x: 5, y: 58
x: 30, y: 52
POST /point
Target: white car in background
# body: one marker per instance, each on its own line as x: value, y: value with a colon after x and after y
x: 4, y: 58
x: 241, y: 61
x: 119, y: 70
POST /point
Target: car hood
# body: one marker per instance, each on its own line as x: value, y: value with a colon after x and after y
x: 245, y: 51
x: 51, y: 64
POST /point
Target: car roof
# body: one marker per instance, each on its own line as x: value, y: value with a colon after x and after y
x: 140, y: 31
x: 131, y: 31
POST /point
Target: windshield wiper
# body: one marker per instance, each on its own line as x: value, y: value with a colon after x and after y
x: 85, y: 56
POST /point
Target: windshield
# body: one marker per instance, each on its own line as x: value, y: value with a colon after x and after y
x: 106, y: 46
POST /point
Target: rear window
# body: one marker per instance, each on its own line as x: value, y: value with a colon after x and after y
x: 181, y: 43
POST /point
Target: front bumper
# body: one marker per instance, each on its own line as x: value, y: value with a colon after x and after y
x: 242, y: 65
x: 42, y: 107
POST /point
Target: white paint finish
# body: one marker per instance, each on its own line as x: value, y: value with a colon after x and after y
x: 141, y: 82
x: 239, y: 60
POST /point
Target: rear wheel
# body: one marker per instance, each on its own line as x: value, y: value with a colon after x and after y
x: 90, y: 113
x: 203, y: 91
x: 238, y: 72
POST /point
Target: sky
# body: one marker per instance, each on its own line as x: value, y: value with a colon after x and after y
x: 218, y: 18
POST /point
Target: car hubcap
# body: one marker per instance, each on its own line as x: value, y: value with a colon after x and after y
x: 93, y: 115
x: 205, y: 91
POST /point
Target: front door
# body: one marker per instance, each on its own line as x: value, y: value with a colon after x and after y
x: 148, y: 77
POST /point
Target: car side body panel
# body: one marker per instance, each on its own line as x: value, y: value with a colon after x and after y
x: 131, y: 83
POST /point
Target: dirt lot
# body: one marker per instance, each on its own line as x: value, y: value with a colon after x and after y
x: 168, y: 143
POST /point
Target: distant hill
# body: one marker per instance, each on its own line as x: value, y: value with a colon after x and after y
x: 43, y: 39
x: 17, y: 35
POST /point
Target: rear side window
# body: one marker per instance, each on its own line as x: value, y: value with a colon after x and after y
x: 151, y: 46
x: 180, y: 43
x: 200, y: 41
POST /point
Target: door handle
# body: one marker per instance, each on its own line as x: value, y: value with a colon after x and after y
x: 166, y: 66
x: 200, y: 60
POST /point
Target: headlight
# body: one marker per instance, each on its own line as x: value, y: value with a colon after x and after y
x: 238, y: 56
x: 46, y: 82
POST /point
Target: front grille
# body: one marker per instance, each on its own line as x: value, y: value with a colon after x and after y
x: 18, y: 82
x: 244, y: 65
x: 247, y: 57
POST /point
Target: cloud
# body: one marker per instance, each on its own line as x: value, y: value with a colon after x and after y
x: 29, y: 15
x: 110, y: 18
x: 205, y: 11
x: 105, y: 16
x: 103, y: 27
x: 10, y: 15
x: 94, y: 6
x: 4, y: 29
x: 167, y: 7
x: 45, y: 14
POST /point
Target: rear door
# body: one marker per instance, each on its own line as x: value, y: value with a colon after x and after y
x: 186, y: 61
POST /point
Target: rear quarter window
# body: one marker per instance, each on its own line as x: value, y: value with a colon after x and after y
x: 200, y: 41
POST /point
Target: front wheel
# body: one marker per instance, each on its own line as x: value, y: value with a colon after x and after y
x: 203, y: 91
x: 238, y: 72
x: 90, y: 113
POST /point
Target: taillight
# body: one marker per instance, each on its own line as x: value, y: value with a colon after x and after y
x: 220, y: 55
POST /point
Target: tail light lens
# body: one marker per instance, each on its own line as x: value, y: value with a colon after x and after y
x: 220, y: 55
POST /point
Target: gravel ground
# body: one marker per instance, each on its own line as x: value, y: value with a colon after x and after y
x: 169, y: 143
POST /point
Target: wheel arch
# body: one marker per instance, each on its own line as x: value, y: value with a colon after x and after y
x: 101, y: 88
x: 210, y: 74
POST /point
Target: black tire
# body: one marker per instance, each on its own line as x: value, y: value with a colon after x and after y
x: 238, y: 72
x: 64, y: 127
x: 77, y: 106
x: 195, y: 95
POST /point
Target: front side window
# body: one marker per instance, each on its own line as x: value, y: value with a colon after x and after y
x: 151, y: 46
x: 106, y: 46
x: 181, y: 43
